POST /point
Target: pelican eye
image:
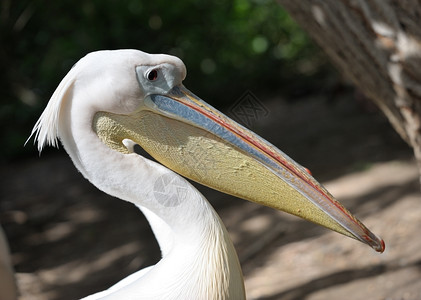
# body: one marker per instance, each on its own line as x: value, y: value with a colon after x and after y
x: 152, y: 75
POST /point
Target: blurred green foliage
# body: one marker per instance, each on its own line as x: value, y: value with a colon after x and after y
x: 228, y: 47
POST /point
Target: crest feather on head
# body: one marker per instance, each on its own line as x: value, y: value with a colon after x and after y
x: 47, y: 127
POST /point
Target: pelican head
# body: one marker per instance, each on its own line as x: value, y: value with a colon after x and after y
x: 111, y: 101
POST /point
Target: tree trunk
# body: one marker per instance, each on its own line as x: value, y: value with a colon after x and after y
x: 377, y: 44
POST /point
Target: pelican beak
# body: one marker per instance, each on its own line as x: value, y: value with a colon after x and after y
x: 194, y: 139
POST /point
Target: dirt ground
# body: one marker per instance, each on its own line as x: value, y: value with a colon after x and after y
x: 69, y: 240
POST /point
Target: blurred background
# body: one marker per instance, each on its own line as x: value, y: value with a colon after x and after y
x: 228, y: 47
x: 69, y: 240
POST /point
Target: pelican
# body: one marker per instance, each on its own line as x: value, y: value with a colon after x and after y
x: 112, y: 102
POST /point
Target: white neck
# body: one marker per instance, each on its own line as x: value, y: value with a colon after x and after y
x: 199, y: 260
x: 202, y: 265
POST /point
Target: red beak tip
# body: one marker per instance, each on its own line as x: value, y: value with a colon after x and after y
x: 382, y: 247
x: 375, y: 242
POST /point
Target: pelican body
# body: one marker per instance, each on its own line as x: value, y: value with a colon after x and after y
x: 111, y: 102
